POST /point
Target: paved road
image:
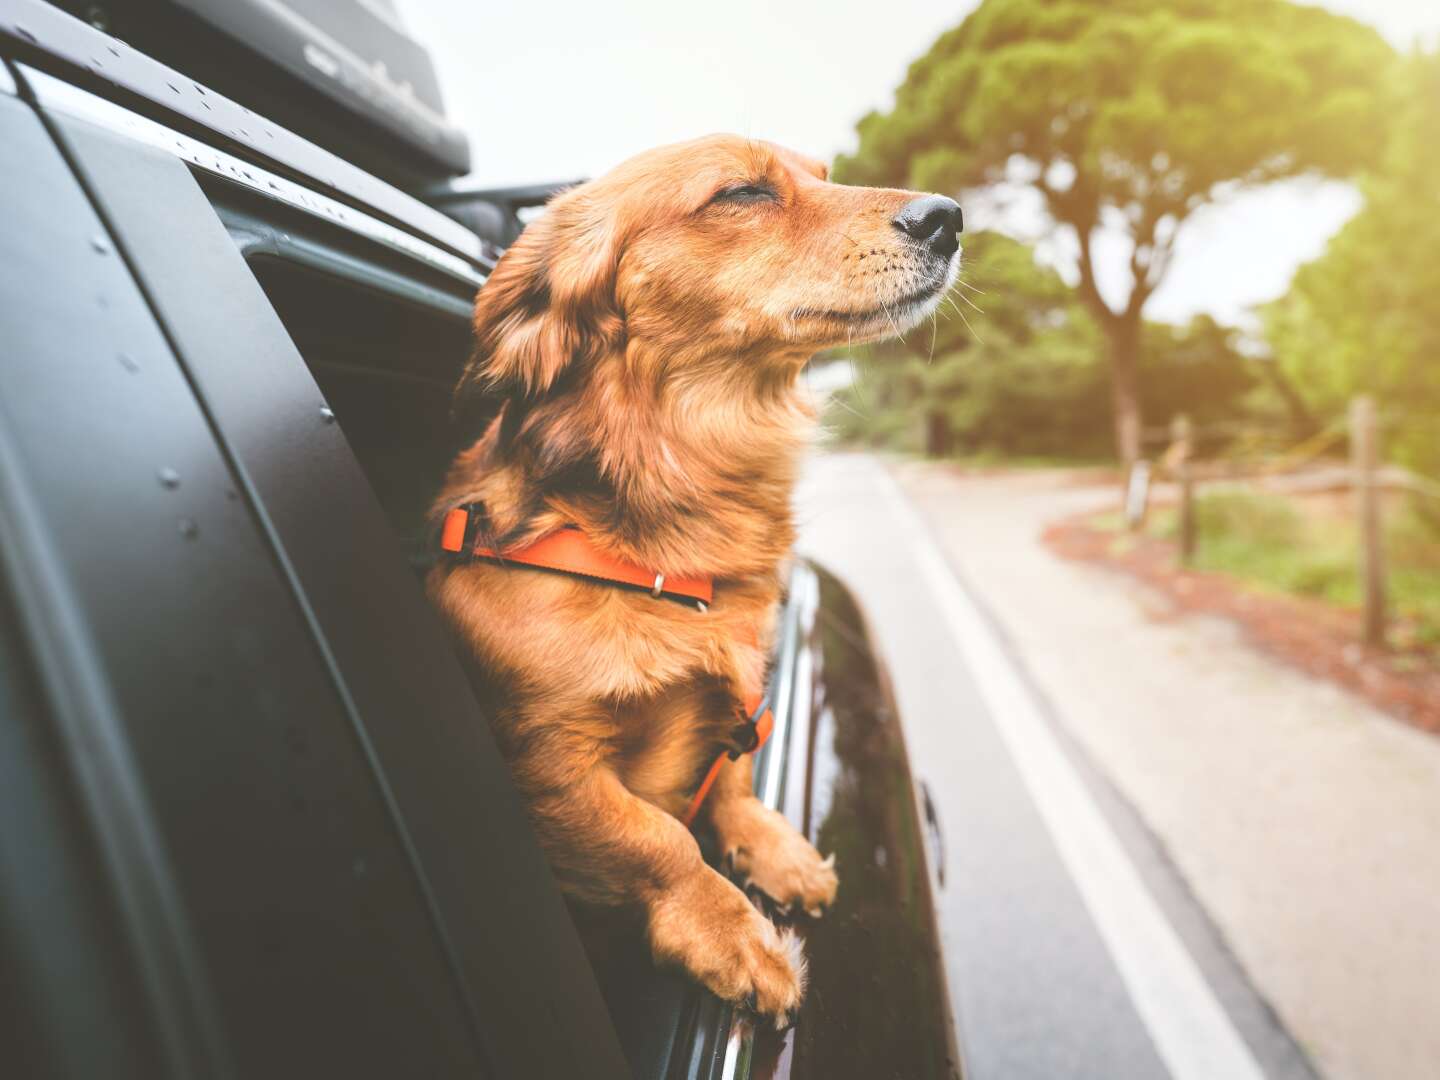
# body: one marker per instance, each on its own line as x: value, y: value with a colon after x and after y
x: 1074, y: 949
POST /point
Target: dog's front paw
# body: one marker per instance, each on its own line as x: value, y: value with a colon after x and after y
x: 706, y: 926
x: 767, y: 853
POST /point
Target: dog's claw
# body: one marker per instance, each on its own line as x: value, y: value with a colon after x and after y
x: 763, y: 901
x: 784, y: 1020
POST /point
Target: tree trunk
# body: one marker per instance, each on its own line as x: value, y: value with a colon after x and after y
x: 937, y: 435
x: 1122, y: 333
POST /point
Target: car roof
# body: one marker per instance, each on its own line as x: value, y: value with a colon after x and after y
x: 52, y: 39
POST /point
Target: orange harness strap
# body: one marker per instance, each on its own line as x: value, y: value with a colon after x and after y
x: 764, y: 722
x: 568, y: 551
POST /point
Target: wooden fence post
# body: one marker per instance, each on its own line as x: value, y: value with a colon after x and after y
x: 1181, y: 437
x: 1365, y: 456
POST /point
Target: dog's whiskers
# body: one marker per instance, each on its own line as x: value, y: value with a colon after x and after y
x: 886, y: 309
x: 959, y: 311
x: 859, y: 385
x: 838, y: 400
x: 970, y: 302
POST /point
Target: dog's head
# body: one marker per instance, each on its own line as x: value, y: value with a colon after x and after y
x: 721, y: 253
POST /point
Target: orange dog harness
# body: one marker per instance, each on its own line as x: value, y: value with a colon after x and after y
x: 568, y: 551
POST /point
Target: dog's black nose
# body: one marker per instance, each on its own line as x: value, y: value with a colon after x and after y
x: 935, y: 221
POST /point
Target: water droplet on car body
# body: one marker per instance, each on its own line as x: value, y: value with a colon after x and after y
x: 188, y: 528
x: 129, y: 363
x: 327, y: 414
x: 100, y: 244
x: 168, y: 477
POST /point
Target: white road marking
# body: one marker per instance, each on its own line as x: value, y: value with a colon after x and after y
x: 1191, y: 1031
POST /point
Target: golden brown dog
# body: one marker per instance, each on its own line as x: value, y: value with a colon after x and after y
x: 646, y: 335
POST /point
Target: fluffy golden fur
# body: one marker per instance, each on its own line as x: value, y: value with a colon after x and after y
x: 646, y: 335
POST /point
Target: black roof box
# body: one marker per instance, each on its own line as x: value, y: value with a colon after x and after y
x: 343, y: 73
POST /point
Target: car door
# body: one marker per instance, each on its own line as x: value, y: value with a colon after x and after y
x: 309, y: 856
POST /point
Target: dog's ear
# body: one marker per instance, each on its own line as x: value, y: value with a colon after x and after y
x: 549, y: 305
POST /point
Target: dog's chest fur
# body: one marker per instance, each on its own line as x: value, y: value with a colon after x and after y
x: 652, y: 686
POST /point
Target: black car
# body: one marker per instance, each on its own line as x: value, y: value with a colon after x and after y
x: 252, y: 822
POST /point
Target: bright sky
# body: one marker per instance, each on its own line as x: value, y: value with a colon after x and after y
x: 566, y: 88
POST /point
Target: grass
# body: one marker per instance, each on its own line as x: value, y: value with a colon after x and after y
x: 1270, y: 541
x: 1001, y: 459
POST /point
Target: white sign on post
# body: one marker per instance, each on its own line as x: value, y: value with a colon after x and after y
x: 1137, y: 494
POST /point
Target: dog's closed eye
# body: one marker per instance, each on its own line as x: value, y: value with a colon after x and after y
x: 741, y: 194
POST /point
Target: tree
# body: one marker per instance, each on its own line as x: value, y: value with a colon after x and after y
x: 1131, y: 115
x: 1364, y: 316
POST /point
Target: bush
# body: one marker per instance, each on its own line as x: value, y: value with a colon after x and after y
x: 1266, y: 540
x: 1267, y: 520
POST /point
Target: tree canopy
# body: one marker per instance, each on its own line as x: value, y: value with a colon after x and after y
x: 1129, y: 114
x: 1365, y: 316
